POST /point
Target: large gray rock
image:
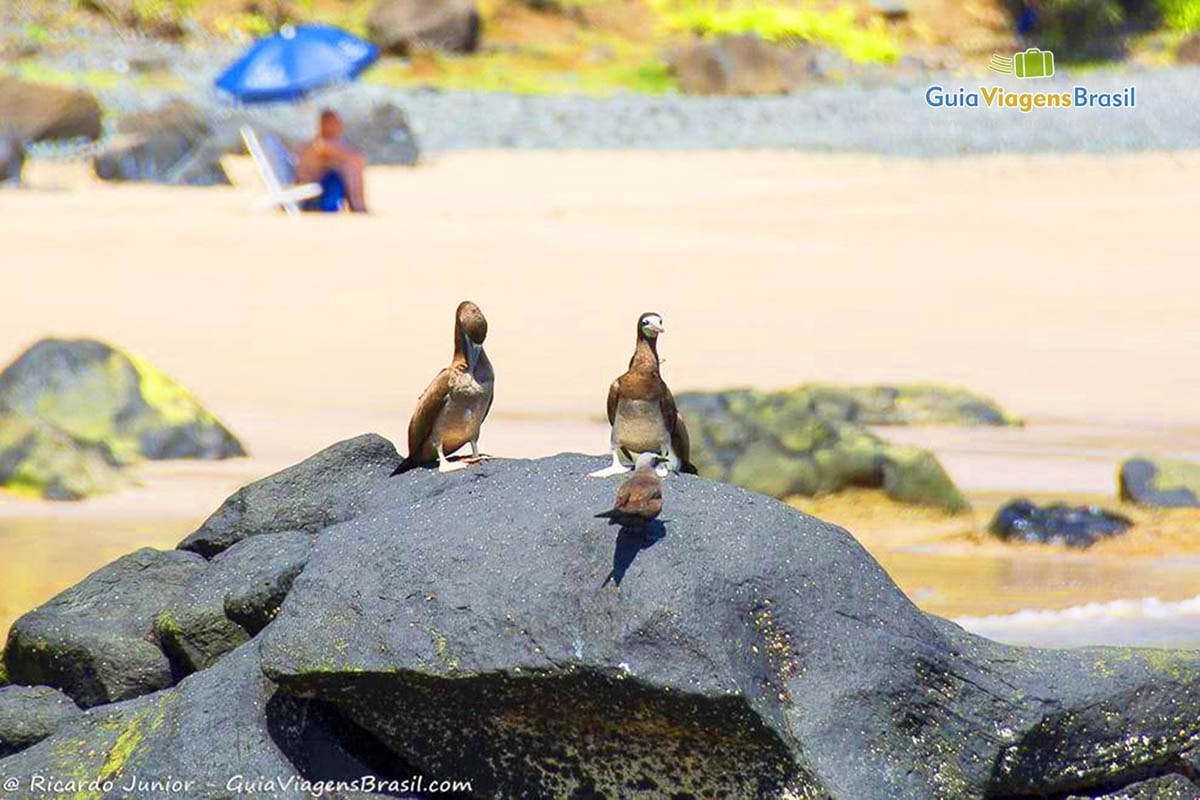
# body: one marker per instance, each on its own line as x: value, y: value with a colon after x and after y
x: 233, y: 599
x: 73, y: 410
x: 225, y: 732
x: 484, y: 624
x: 95, y: 641
x: 29, y: 714
x: 1160, y: 482
x: 402, y: 26
x: 174, y: 145
x: 40, y: 112
x: 332, y: 486
x: 790, y: 443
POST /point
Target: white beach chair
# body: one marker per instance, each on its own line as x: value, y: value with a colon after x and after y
x: 277, y: 168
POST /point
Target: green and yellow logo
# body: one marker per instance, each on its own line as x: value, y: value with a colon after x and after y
x: 1033, y: 63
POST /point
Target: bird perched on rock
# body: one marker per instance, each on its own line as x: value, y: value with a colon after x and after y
x: 639, y: 499
x: 641, y: 410
x: 452, y: 409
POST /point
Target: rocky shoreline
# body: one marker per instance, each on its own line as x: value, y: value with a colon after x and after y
x: 438, y: 625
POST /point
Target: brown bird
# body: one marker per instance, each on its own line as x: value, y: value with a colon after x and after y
x: 452, y: 409
x: 639, y: 499
x: 641, y: 410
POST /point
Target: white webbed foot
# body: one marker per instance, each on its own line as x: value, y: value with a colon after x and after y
x: 608, y: 472
x: 617, y: 468
x: 451, y: 466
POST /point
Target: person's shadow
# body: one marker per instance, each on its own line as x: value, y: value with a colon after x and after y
x: 630, y: 542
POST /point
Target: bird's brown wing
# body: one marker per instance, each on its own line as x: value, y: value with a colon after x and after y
x: 612, y: 401
x: 621, y: 503
x: 681, y: 442
x: 430, y: 404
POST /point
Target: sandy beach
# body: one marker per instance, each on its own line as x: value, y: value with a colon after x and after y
x: 1063, y: 287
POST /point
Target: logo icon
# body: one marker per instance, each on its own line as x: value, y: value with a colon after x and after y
x: 1033, y: 63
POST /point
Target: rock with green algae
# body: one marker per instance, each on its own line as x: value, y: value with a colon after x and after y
x: 1160, y: 482
x: 38, y: 459
x: 781, y: 444
x: 904, y: 404
x: 107, y: 397
x: 231, y: 600
x: 224, y: 732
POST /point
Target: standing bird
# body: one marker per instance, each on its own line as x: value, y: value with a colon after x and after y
x: 452, y: 409
x: 639, y: 500
x: 641, y: 410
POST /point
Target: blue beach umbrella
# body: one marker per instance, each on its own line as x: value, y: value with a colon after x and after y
x: 294, y: 62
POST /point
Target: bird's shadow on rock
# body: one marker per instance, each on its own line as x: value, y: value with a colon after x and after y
x: 630, y: 542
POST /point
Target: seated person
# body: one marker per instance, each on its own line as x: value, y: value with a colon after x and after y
x: 329, y: 161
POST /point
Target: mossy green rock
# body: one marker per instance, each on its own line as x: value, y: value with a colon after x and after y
x: 73, y: 412
x: 913, y: 404
x: 36, y: 458
x: 1160, y: 482
x: 792, y: 443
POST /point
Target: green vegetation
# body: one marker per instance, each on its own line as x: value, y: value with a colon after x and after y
x: 1181, y: 15
x: 783, y: 24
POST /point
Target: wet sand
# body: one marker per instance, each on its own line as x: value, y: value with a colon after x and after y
x: 1063, y: 287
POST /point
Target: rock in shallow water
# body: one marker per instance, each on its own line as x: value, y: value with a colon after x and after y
x: 1160, y: 482
x: 788, y: 443
x: 1074, y: 526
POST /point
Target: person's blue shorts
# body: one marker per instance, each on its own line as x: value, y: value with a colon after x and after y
x: 333, y: 194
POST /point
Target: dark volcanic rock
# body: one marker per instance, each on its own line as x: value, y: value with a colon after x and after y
x: 95, y: 641
x: 29, y: 714
x: 221, y: 729
x: 402, y: 26
x: 467, y: 622
x: 70, y: 410
x: 335, y: 485
x: 233, y: 599
x: 40, y: 112
x: 1074, y: 526
x: 1160, y: 482
x: 1167, y: 787
x: 484, y: 626
x: 784, y: 444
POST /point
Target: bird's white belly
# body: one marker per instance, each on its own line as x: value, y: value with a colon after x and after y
x: 639, y: 427
x: 460, y: 419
